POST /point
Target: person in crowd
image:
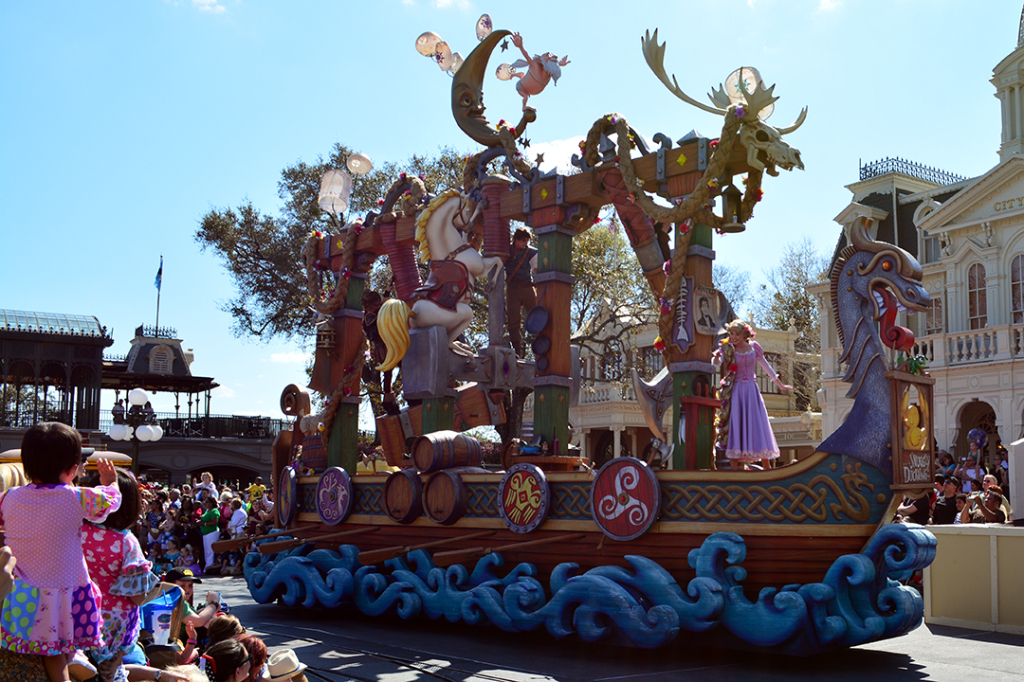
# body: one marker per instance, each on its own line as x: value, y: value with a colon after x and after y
x: 225, y: 512
x: 174, y: 499
x: 193, y: 618
x: 970, y: 472
x: 227, y: 661
x: 945, y: 511
x: 991, y: 480
x: 915, y: 510
x: 120, y: 571
x: 154, y: 517
x: 205, y: 488
x: 283, y: 666
x: 223, y: 627
x: 961, y: 504
x: 42, y: 522
x: 945, y: 464
x: 209, y: 526
x: 258, y: 650
x: 984, y: 507
x: 256, y: 490
x: 187, y: 559
x: 239, y: 519
x: 117, y: 412
x: 168, y: 529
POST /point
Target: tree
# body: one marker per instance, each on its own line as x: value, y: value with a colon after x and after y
x: 263, y: 252
x: 734, y: 284
x: 783, y: 301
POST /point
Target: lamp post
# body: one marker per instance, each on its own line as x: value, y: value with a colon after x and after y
x: 137, y: 424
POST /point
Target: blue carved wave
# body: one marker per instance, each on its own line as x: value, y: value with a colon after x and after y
x: 859, y: 600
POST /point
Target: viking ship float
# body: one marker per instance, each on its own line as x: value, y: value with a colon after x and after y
x: 795, y: 559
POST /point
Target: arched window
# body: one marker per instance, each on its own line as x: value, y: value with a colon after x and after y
x: 977, y: 305
x: 1017, y: 289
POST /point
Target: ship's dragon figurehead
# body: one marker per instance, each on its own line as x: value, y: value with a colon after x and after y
x: 870, y: 281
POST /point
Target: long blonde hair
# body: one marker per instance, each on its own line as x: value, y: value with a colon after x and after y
x: 393, y: 327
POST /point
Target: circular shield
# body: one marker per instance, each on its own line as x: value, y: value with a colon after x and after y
x: 625, y: 498
x: 334, y: 496
x: 288, y: 495
x: 524, y: 498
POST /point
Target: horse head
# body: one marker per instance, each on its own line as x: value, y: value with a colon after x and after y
x: 750, y: 103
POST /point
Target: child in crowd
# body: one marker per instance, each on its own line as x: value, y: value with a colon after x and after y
x: 53, y: 608
x: 187, y: 560
x: 256, y: 490
x: 154, y: 517
x: 118, y: 568
x: 206, y: 488
x: 167, y: 529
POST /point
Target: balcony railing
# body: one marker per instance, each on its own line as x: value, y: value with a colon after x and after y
x: 994, y: 344
x: 911, y: 168
x: 214, y: 426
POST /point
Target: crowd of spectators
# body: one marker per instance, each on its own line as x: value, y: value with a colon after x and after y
x: 84, y: 552
x: 965, y: 492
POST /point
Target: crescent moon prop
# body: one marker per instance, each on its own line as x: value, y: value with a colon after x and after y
x: 468, y: 95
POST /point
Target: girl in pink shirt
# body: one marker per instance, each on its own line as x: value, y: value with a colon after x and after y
x: 53, y: 607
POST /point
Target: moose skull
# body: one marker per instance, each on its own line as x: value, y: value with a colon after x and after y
x: 766, y: 149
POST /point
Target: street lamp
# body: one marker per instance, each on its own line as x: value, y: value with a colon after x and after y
x: 137, y: 424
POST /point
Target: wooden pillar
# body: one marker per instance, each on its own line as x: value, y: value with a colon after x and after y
x: 554, y: 293
x: 692, y: 371
x: 343, y: 442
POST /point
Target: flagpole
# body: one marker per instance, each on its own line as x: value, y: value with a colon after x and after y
x: 159, y: 282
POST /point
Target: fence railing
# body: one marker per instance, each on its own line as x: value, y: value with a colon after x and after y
x: 993, y: 344
x: 911, y: 168
x: 214, y: 426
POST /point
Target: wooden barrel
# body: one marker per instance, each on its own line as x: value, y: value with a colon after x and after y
x: 444, y: 450
x: 402, y: 495
x: 444, y: 497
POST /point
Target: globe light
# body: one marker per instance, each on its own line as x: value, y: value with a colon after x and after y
x: 359, y: 164
x: 137, y: 396
x: 118, y: 432
x: 128, y: 432
x: 158, y: 432
x: 144, y: 433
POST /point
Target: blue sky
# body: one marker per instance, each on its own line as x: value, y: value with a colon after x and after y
x: 123, y: 122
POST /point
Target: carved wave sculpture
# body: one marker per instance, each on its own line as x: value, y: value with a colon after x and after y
x: 860, y: 599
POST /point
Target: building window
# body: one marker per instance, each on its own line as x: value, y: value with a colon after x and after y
x: 977, y: 305
x: 160, y: 361
x: 932, y: 250
x: 650, y: 362
x: 1017, y: 289
x: 934, y: 319
x: 765, y: 385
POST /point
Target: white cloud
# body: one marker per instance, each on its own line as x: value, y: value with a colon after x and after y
x: 212, y: 6
x: 223, y: 392
x: 444, y: 4
x: 828, y: 5
x: 291, y: 358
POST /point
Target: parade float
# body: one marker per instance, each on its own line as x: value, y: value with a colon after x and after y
x: 666, y: 552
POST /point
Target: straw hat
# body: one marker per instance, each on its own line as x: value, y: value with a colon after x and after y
x: 282, y: 666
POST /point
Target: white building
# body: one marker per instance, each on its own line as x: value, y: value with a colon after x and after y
x: 968, y: 235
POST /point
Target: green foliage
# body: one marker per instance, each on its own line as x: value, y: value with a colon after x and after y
x: 784, y: 301
x: 262, y: 252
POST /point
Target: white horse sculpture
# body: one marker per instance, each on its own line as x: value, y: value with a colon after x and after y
x: 441, y: 228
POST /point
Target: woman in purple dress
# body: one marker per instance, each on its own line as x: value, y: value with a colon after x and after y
x: 750, y: 433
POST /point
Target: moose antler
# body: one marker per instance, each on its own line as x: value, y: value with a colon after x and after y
x: 655, y: 56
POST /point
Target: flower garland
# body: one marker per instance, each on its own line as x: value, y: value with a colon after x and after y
x: 728, y: 371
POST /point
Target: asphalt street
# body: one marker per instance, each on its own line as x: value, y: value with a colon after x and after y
x: 344, y: 645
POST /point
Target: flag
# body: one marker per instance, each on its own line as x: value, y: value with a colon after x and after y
x: 159, y: 275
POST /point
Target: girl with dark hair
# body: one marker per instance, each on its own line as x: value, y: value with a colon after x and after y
x: 227, y: 661
x: 53, y: 606
x: 120, y: 570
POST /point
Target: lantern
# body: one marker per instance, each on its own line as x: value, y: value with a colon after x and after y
x: 335, y: 189
x: 731, y: 198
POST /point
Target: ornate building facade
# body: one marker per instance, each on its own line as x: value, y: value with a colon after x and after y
x: 968, y: 235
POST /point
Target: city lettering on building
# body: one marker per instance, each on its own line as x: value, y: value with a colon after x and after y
x: 1009, y: 204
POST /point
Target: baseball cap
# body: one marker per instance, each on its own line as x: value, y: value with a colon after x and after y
x: 179, y: 574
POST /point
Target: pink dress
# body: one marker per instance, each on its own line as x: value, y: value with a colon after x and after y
x: 120, y: 570
x: 750, y: 433
x: 53, y: 607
